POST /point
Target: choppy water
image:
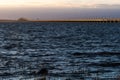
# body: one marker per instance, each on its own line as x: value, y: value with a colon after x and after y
x: 69, y: 50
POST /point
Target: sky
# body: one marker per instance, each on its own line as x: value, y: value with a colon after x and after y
x: 59, y: 9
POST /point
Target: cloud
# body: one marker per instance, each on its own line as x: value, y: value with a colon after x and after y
x: 61, y: 3
x: 107, y: 5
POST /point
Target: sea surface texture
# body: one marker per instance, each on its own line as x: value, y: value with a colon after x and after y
x: 68, y: 50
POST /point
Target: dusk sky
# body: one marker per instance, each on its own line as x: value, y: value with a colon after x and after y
x: 59, y: 9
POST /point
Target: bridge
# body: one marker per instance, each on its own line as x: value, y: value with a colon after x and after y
x: 100, y: 20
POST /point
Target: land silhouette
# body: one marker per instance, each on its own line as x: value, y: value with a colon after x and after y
x: 22, y: 19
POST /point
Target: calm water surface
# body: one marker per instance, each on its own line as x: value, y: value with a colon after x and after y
x: 69, y: 50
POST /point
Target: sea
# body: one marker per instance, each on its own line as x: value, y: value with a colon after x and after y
x: 68, y: 50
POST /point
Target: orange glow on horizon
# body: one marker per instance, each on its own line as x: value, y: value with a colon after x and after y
x: 57, y: 3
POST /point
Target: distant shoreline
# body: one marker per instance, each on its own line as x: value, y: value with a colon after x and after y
x: 80, y: 20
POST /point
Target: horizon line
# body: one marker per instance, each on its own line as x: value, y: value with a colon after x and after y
x: 63, y: 20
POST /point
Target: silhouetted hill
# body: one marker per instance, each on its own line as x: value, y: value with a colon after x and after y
x: 23, y: 19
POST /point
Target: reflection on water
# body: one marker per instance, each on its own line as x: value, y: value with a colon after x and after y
x: 70, y: 51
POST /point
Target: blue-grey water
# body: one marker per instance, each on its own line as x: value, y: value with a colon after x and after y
x: 69, y: 50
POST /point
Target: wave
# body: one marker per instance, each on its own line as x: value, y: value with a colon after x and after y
x: 96, y: 53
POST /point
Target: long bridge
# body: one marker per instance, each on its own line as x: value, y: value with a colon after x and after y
x: 101, y: 20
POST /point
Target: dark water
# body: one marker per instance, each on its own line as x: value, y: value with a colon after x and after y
x: 68, y: 50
